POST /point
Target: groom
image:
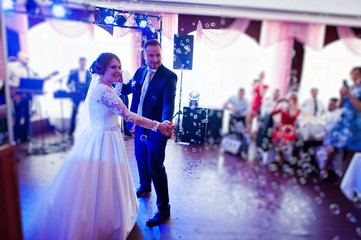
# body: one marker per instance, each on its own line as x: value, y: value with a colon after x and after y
x: 153, y: 89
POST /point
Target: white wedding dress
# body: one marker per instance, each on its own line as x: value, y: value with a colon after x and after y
x: 93, y: 195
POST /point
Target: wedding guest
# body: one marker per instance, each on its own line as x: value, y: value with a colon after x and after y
x: 346, y: 132
x: 239, y: 107
x: 259, y: 91
x: 285, y: 132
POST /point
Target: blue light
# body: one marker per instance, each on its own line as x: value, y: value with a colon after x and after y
x: 58, y: 11
x: 109, y: 20
x: 142, y: 23
x: 8, y: 5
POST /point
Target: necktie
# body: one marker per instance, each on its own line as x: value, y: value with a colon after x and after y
x: 147, y: 80
x: 316, y: 107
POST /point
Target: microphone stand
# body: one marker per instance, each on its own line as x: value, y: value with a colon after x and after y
x: 63, y: 144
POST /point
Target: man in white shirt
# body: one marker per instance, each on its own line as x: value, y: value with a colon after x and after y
x: 239, y: 107
x: 313, y: 107
x: 312, y: 120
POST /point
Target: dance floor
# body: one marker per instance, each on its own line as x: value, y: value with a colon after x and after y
x: 216, y: 195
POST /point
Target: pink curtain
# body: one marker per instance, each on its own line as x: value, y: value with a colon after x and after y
x: 136, y: 53
x: 310, y: 34
x: 348, y: 37
x: 222, y: 38
x: 283, y: 34
x: 170, y: 25
x: 282, y: 67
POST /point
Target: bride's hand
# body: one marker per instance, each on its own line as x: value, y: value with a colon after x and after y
x: 166, y: 128
x: 120, y: 79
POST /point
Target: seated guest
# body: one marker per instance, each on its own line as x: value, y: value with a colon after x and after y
x: 313, y: 106
x: 270, y: 104
x: 285, y: 131
x: 239, y: 106
x: 315, y: 134
x: 346, y: 131
x: 312, y: 119
x: 331, y: 116
x: 267, y: 119
x: 333, y: 113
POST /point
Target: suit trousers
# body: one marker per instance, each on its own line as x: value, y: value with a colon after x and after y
x: 21, y: 128
x: 73, y: 116
x: 150, y: 157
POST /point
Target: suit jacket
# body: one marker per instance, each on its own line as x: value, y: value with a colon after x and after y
x: 159, y: 100
x: 81, y: 87
x: 74, y: 76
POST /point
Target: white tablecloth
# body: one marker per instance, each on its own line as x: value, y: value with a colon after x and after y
x: 351, y: 181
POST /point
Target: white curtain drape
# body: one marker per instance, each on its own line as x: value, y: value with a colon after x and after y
x: 351, y: 41
x: 217, y: 39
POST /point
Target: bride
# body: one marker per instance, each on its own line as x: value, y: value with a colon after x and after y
x: 93, y: 196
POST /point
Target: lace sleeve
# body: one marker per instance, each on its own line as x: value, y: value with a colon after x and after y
x: 118, y: 88
x: 109, y: 98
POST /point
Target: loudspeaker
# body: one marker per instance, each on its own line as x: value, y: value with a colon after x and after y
x: 194, y: 125
x: 214, y: 127
x: 183, y: 51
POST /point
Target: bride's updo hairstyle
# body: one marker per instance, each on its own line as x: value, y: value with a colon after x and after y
x: 102, y: 62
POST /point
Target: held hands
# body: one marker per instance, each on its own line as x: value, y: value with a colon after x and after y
x: 166, y: 128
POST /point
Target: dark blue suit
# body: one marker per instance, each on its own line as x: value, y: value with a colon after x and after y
x: 82, y: 89
x: 149, y: 145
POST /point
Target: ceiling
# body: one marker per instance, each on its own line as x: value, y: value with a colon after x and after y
x: 331, y: 12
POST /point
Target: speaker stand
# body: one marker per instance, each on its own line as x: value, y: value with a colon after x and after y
x: 177, y: 129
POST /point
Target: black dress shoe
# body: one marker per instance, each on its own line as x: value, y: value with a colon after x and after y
x: 158, y: 218
x: 141, y: 191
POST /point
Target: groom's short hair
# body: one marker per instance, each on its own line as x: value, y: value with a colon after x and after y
x: 152, y: 42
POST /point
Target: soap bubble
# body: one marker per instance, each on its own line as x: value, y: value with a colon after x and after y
x: 351, y: 217
x: 143, y: 138
x: 335, y: 209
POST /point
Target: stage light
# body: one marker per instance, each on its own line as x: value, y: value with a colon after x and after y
x: 193, y: 98
x: 143, y: 23
x: 109, y: 20
x: 8, y: 5
x: 120, y: 20
x: 58, y: 10
x: 141, y: 20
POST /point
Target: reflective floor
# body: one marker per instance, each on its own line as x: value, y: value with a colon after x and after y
x: 217, y: 195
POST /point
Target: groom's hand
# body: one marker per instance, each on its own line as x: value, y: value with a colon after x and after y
x: 171, y: 130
